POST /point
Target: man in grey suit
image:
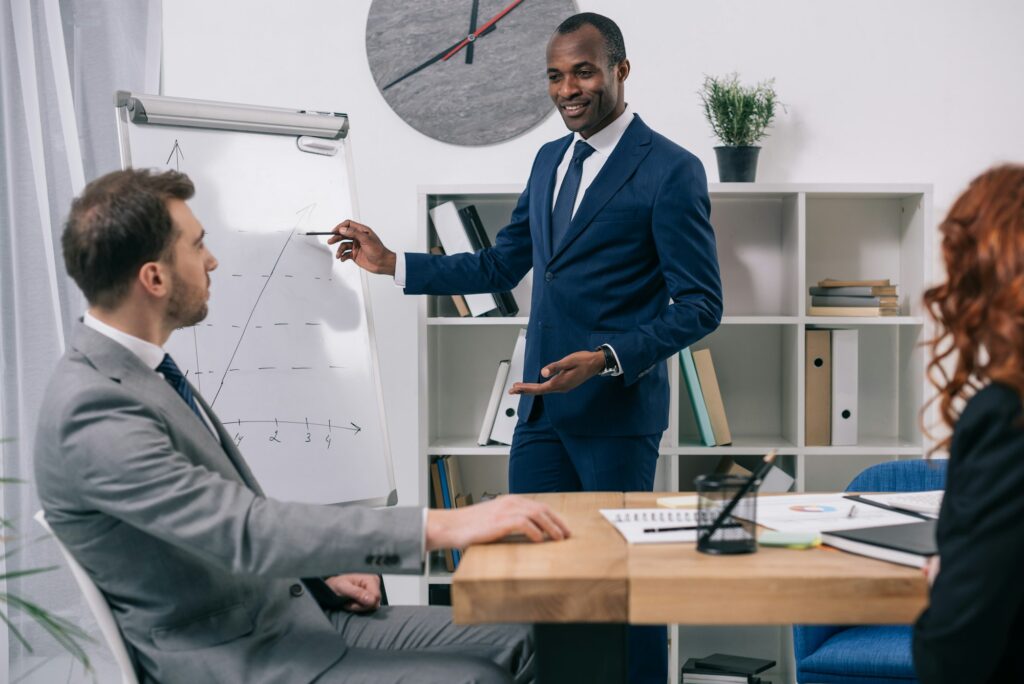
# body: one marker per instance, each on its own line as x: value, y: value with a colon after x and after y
x: 142, y: 484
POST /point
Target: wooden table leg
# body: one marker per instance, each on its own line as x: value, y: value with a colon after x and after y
x: 580, y: 652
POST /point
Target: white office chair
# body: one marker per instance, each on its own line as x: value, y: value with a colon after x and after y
x: 100, y: 610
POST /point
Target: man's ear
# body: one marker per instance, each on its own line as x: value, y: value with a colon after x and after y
x: 154, y: 279
x: 622, y: 69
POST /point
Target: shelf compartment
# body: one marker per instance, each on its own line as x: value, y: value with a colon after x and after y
x: 757, y: 239
x: 868, y: 237
x: 890, y: 383
x: 494, y: 210
x: 702, y: 464
x: 756, y: 370
x: 461, y: 365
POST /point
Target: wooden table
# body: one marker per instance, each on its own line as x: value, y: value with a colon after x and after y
x: 582, y: 592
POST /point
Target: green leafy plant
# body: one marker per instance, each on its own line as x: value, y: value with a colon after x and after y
x: 738, y: 114
x: 67, y: 634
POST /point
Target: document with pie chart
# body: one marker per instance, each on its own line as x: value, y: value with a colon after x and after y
x: 822, y: 513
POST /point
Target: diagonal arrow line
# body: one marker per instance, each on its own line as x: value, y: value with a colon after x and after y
x: 241, y: 337
x: 177, y: 154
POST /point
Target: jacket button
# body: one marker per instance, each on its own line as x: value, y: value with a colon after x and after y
x: 549, y: 276
x: 296, y: 590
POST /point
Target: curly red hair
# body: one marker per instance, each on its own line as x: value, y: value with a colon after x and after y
x: 979, y: 310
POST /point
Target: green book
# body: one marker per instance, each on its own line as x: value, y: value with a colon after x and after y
x: 700, y: 408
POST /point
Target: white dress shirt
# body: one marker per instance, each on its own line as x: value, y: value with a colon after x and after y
x: 604, y: 143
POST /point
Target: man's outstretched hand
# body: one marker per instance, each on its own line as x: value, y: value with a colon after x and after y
x: 493, y: 520
x: 565, y: 374
x: 360, y: 244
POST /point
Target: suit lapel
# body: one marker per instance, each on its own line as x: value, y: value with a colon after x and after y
x: 548, y: 200
x: 626, y: 157
x: 229, y: 447
x: 124, y: 367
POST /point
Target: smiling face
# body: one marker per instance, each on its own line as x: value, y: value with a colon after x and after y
x: 189, y: 263
x: 588, y: 92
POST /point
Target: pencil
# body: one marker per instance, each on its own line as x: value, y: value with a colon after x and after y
x: 755, y: 478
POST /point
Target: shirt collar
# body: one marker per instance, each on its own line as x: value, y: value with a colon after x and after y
x: 605, y: 140
x: 148, y: 353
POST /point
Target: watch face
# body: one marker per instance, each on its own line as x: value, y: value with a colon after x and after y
x: 492, y: 86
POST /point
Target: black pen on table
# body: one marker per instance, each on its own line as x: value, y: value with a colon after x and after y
x: 744, y: 490
x: 325, y: 232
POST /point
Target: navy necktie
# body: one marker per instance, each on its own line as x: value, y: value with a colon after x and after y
x: 175, y: 378
x: 561, y: 215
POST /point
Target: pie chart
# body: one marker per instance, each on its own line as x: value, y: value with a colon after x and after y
x: 812, y: 508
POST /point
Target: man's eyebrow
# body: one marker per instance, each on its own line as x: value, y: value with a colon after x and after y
x: 578, y: 65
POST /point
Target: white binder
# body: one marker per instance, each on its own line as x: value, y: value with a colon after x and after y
x: 508, y: 410
x: 844, y: 387
x: 454, y: 240
x: 492, y: 406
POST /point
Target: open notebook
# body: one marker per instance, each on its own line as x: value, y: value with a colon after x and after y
x: 653, y: 525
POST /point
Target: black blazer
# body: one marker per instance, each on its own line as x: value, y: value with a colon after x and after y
x: 973, y: 631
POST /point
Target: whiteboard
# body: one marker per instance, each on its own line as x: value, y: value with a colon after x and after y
x: 286, y: 356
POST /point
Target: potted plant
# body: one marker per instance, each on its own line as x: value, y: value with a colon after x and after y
x: 68, y: 635
x: 739, y: 116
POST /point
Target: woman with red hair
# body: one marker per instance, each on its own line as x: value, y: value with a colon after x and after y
x: 973, y: 629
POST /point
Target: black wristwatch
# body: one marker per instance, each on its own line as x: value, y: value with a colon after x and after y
x: 611, y: 366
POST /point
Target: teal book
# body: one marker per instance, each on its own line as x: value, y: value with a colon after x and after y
x: 700, y: 408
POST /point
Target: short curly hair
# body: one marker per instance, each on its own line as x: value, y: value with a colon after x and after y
x: 118, y: 223
x: 614, y: 45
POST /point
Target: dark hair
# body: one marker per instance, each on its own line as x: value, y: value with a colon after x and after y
x: 980, y: 337
x: 614, y: 45
x: 118, y: 223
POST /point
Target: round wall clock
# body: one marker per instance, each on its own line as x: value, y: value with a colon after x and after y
x: 469, y: 72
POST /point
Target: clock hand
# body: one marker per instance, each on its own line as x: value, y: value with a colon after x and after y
x: 421, y: 67
x: 432, y: 60
x: 479, y: 32
x: 472, y: 28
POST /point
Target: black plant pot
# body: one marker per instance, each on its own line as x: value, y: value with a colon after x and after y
x: 737, y: 164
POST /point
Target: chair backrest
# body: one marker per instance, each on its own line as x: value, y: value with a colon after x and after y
x: 100, y: 610
x: 919, y: 475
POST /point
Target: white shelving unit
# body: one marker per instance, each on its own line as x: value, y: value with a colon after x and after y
x: 774, y: 241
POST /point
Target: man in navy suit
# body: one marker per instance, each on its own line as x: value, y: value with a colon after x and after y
x: 615, y: 223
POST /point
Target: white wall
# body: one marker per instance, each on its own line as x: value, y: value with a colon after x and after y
x: 879, y: 90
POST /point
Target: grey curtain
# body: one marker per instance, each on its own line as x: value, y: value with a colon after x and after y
x: 60, y: 63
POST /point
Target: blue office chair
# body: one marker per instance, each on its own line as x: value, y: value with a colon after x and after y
x: 867, y: 654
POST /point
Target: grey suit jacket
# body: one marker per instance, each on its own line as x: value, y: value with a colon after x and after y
x: 199, y: 568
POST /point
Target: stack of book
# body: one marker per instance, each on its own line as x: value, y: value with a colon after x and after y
x: 461, y: 230
x: 446, y: 484
x: 720, y: 668
x: 705, y: 396
x: 854, y: 298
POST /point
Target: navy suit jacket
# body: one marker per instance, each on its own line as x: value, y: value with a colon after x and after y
x: 637, y: 269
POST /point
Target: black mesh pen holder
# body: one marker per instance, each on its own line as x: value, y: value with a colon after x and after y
x: 737, y: 533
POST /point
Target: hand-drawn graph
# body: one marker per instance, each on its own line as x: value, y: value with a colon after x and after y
x: 285, y: 356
